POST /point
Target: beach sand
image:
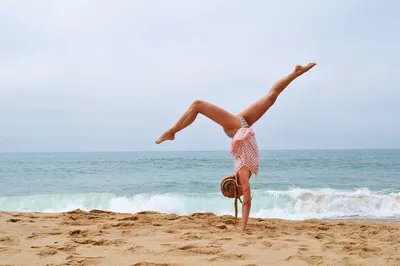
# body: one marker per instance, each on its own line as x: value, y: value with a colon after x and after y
x: 148, y: 238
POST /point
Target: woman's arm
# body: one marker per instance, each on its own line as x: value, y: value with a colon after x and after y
x: 246, y: 206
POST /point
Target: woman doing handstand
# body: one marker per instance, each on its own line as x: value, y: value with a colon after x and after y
x: 238, y: 127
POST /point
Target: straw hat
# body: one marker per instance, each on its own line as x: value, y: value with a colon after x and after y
x: 230, y: 187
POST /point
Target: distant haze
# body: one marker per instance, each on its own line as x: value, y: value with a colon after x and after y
x: 114, y: 75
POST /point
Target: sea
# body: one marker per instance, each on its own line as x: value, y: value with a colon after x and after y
x: 292, y: 184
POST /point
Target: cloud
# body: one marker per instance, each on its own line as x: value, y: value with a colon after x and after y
x: 96, y: 75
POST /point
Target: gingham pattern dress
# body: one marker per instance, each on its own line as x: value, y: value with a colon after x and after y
x: 244, y: 149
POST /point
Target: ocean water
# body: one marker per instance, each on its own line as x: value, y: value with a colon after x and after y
x: 295, y: 185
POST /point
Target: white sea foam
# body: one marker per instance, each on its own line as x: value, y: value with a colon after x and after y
x: 295, y: 204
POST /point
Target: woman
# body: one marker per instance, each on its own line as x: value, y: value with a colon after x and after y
x: 243, y: 146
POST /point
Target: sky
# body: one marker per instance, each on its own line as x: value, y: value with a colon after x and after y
x: 114, y: 75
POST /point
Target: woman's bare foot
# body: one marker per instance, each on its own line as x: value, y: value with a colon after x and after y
x: 303, y: 69
x: 168, y: 135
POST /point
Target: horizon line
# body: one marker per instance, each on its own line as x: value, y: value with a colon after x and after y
x: 128, y: 151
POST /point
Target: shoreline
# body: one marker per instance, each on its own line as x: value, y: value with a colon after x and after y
x: 385, y: 220
x: 150, y: 238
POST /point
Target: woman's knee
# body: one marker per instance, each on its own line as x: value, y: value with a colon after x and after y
x: 197, y: 105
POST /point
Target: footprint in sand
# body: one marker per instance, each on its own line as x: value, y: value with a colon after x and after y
x: 80, y: 260
x: 203, y: 250
x: 55, y: 233
x: 152, y: 264
x: 86, y: 233
x: 126, y: 232
x: 124, y: 225
x: 319, y: 236
x: 8, y: 250
x: 78, y: 233
x: 221, y: 226
x: 33, y: 236
x: 13, y: 220
x: 267, y: 244
x: 293, y: 257
x: 130, y: 218
x: 291, y: 240
x: 67, y: 247
x: 135, y: 248
x: 47, y: 252
x: 191, y: 237
x: 303, y: 248
x: 225, y: 238
x: 245, y: 244
x: 100, y: 242
x: 229, y: 257
x: 8, y: 240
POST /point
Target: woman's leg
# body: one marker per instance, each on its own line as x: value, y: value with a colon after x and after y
x: 228, y: 121
x: 258, y: 109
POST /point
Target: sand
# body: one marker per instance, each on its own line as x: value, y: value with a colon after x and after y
x: 148, y: 238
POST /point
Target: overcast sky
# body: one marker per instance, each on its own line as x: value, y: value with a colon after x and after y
x: 114, y: 75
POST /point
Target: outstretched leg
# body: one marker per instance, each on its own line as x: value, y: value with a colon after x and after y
x: 258, y: 109
x: 228, y: 121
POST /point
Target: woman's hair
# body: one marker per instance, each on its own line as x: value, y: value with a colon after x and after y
x: 226, y: 187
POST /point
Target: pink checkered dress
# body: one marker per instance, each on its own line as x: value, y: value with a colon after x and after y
x: 244, y: 149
